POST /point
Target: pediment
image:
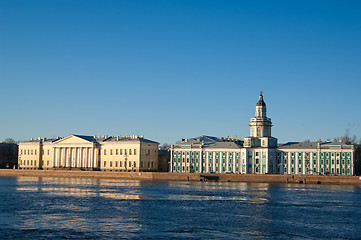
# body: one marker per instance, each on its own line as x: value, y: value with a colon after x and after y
x: 76, y: 139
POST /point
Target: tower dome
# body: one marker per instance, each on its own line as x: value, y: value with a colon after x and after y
x: 260, y: 100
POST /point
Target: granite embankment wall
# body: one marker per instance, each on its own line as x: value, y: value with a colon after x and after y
x: 161, y: 176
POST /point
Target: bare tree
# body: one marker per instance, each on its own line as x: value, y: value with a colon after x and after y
x: 9, y: 140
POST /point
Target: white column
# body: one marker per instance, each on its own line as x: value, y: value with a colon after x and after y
x: 86, y: 157
x: 81, y: 157
x: 75, y: 157
x: 63, y: 153
x: 54, y: 157
x: 93, y: 161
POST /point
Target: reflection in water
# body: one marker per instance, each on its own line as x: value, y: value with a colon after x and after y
x: 53, y: 208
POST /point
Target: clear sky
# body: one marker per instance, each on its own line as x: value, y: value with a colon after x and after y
x: 178, y: 69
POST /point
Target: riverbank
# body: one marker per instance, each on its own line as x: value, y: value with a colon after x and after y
x: 165, y: 176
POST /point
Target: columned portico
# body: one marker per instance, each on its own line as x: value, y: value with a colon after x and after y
x: 74, y: 152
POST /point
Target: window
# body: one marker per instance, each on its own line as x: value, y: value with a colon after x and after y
x: 116, y: 151
x: 257, y: 154
x: 299, y: 170
x: 125, y: 151
x: 257, y: 161
x: 135, y: 151
x: 48, y: 152
x: 116, y: 164
x: 149, y: 166
x: 300, y: 154
x: 47, y: 163
x: 314, y: 161
x: 343, y: 161
x: 111, y: 151
x: 31, y: 151
x: 31, y: 162
x: 292, y: 170
x: 120, y: 164
x: 338, y: 161
x: 292, y: 161
x: 314, y: 154
x: 299, y: 161
x: 348, y: 161
x: 148, y: 153
x: 129, y: 164
x: 285, y: 161
x: 333, y: 161
x: 332, y: 154
x: 111, y: 164
x: 135, y: 164
x: 130, y: 151
x: 120, y: 151
x: 105, y: 163
x: 105, y: 152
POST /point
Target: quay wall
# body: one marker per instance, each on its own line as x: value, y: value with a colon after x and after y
x: 165, y: 176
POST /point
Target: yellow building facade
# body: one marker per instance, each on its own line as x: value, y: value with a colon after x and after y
x: 127, y: 153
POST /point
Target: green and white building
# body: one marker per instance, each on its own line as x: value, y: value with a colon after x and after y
x: 321, y: 158
x: 260, y: 153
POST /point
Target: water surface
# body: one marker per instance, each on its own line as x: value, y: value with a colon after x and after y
x: 76, y: 208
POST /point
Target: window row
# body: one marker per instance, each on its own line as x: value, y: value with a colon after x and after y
x: 28, y: 151
x: 124, y: 164
x: 120, y: 151
x: 327, y: 162
x: 327, y: 154
x: 27, y: 162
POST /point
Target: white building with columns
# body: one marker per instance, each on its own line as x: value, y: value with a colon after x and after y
x: 127, y: 153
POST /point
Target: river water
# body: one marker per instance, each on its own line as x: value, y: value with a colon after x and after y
x: 77, y: 208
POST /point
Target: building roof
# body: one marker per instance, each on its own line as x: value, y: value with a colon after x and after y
x: 210, y: 142
x: 127, y: 138
x: 99, y: 139
x: 314, y: 145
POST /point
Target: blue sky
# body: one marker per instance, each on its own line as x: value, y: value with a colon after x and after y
x: 176, y: 69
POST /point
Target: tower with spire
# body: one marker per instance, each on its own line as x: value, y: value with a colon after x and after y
x: 260, y: 146
x: 260, y: 126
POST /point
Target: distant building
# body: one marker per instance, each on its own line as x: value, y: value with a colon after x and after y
x: 128, y: 153
x: 163, y: 160
x: 8, y: 155
x: 260, y: 153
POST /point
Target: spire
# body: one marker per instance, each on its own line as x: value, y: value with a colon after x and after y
x: 260, y: 100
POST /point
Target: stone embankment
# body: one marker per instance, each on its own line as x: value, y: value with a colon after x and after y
x: 161, y: 176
